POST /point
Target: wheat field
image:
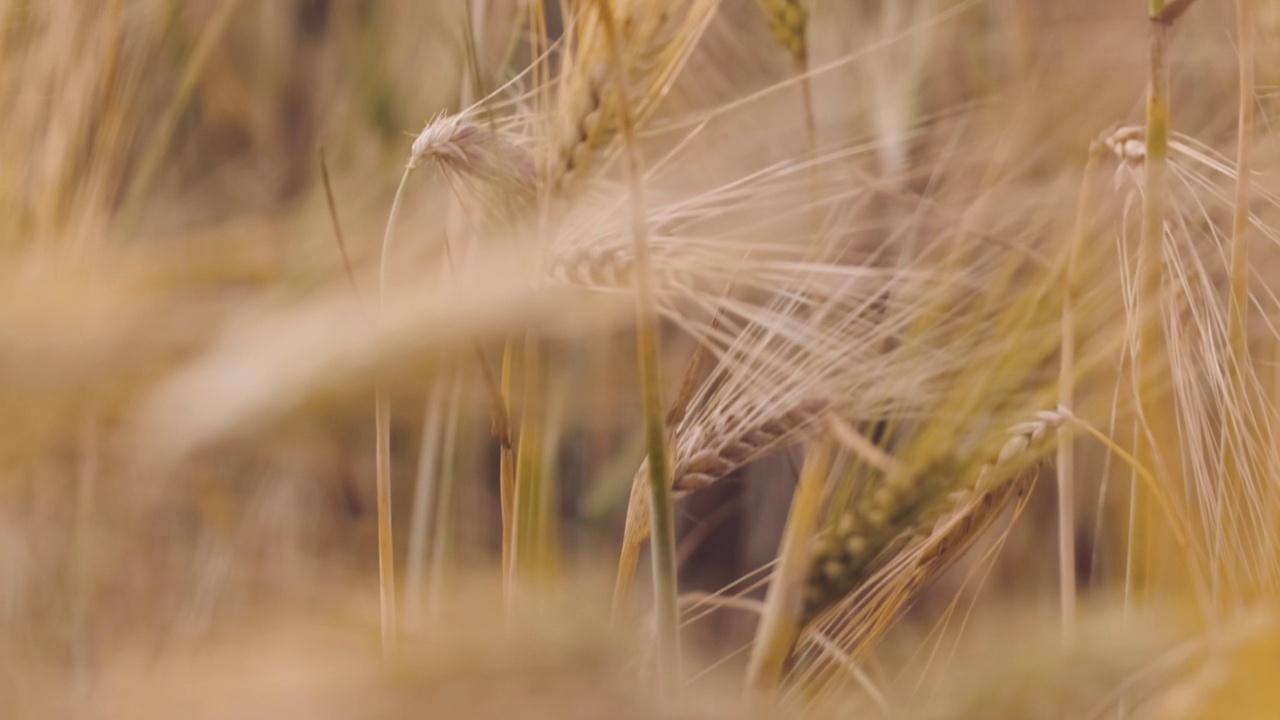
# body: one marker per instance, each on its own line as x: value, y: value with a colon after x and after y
x: 894, y: 359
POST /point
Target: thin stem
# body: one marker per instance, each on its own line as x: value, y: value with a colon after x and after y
x: 1141, y: 473
x: 663, y: 515
x: 507, y: 475
x: 384, y: 263
x: 382, y: 450
x: 1066, y: 399
x: 780, y: 622
x: 444, y: 502
x: 528, y: 522
x: 1153, y: 442
x: 424, y: 492
x: 386, y: 556
x: 337, y: 229
x: 1239, y: 308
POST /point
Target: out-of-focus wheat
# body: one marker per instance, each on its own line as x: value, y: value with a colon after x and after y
x: 788, y: 21
x: 656, y: 39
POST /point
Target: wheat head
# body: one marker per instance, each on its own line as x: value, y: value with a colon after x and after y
x: 892, y: 517
x: 657, y: 37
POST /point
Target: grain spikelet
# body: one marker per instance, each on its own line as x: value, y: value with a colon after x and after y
x: 656, y: 39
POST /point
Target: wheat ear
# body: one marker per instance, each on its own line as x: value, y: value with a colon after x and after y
x: 889, y: 516
x: 654, y: 40
x: 701, y: 459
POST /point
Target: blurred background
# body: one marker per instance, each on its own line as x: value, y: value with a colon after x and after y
x: 161, y: 191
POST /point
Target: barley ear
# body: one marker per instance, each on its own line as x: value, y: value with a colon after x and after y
x: 892, y: 515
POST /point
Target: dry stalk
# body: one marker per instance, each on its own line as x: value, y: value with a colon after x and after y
x: 1239, y: 307
x: 382, y: 450
x: 462, y: 148
x: 386, y: 546
x: 425, y: 490
x: 1159, y: 447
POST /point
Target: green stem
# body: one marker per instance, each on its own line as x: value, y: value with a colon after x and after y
x: 1154, y: 446
x: 663, y: 541
x: 529, y: 522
